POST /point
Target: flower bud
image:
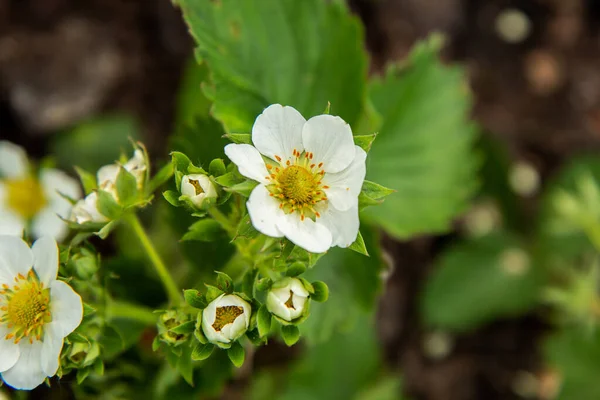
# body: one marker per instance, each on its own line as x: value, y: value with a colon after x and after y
x: 288, y: 299
x: 198, y: 188
x: 86, y: 210
x: 226, y: 318
x: 107, y: 175
x: 169, y: 320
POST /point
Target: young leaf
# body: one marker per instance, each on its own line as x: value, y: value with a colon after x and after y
x: 236, y: 354
x: 202, y: 351
x: 239, y: 138
x: 127, y: 191
x: 205, y: 230
x: 263, y: 321
x: 246, y: 67
x: 290, y: 334
x: 321, y: 293
x: 429, y: 161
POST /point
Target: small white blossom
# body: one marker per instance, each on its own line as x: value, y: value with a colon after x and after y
x: 86, y: 210
x: 308, y: 191
x: 37, y: 311
x: 107, y: 175
x: 30, y: 201
x: 288, y: 299
x: 198, y: 188
x: 226, y: 318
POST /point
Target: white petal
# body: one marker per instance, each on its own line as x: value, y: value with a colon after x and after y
x: 67, y: 307
x: 27, y: 373
x: 48, y: 223
x: 208, y: 319
x: 9, y: 350
x: 11, y: 224
x: 248, y: 161
x: 16, y: 254
x: 342, y: 224
x: 278, y: 131
x: 307, y: 234
x: 51, y: 349
x: 55, y: 182
x: 45, y: 253
x: 277, y: 307
x: 298, y: 288
x: 264, y: 212
x: 6, y: 276
x: 330, y: 139
x: 13, y: 160
x: 345, y: 186
x: 108, y: 174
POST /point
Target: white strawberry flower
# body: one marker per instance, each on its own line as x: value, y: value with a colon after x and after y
x: 198, y: 188
x: 226, y: 319
x: 37, y: 311
x: 309, y: 180
x: 288, y: 299
x: 34, y: 202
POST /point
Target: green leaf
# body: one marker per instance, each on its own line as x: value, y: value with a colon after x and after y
x: 236, y: 354
x: 194, y: 298
x: 424, y: 149
x: 239, y: 138
x: 230, y: 179
x: 359, y: 245
x: 244, y: 188
x: 365, y: 141
x: 88, y: 181
x: 290, y: 334
x: 202, y: 351
x: 160, y: 178
x: 205, y: 230
x: 217, y: 167
x: 186, y: 327
x: 263, y: 321
x: 107, y: 205
x: 575, y: 354
x: 478, y: 281
x: 126, y: 187
x: 321, y: 293
x: 292, y: 60
x: 172, y: 197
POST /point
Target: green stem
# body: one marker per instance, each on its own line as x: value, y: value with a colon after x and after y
x: 222, y: 219
x: 162, y: 271
x: 119, y: 309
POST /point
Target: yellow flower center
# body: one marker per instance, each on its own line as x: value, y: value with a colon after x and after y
x: 226, y: 315
x: 197, y: 188
x: 290, y: 302
x: 25, y: 196
x: 297, y: 184
x: 25, y: 308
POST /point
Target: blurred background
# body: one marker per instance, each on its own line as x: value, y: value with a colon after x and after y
x: 78, y: 78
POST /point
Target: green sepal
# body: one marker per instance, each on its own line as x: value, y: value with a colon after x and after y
x: 212, y: 293
x: 255, y: 337
x: 88, y: 181
x: 229, y: 179
x: 224, y: 282
x: 307, y: 285
x: 264, y: 284
x: 107, y: 205
x: 359, y: 245
x: 82, y: 374
x: 372, y: 194
x: 287, y: 247
x: 365, y: 141
x: 248, y: 281
x: 88, y: 310
x: 327, y: 108
x: 217, y: 167
x: 297, y: 268
x: 290, y: 334
x: 107, y: 229
x: 183, y: 164
x: 245, y: 229
x: 172, y: 197
x: 178, y: 178
x: 195, y: 299
x: 236, y: 354
x: 263, y: 321
x: 321, y: 293
x: 202, y: 351
x: 244, y: 188
x: 185, y: 328
x: 156, y: 343
x: 205, y: 230
x: 239, y: 138
x: 199, y: 333
x: 224, y: 346
x: 127, y: 191
x: 160, y: 178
